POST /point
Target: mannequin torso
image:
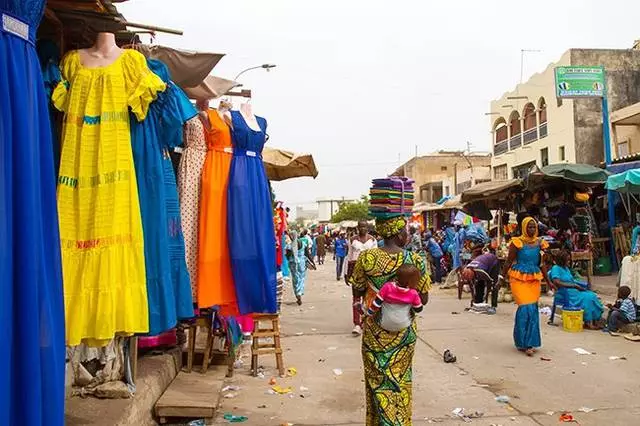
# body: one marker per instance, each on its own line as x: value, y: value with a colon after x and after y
x: 104, y: 52
x: 247, y: 113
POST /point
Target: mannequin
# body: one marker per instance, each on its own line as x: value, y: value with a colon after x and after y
x: 202, y: 105
x: 249, y: 117
x: 104, y: 52
x: 224, y: 111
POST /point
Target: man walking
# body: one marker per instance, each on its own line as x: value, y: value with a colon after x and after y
x: 341, y: 246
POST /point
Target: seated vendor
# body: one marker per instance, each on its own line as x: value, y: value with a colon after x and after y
x: 574, y: 293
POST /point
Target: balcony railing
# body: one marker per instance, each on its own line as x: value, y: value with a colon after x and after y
x: 515, y: 141
x: 501, y: 147
x: 542, y: 129
x: 530, y: 136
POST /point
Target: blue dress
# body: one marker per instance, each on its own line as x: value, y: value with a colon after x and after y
x: 168, y: 285
x: 571, y: 297
x: 250, y: 220
x: 32, y: 354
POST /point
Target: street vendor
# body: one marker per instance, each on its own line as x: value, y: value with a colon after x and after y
x: 483, y: 272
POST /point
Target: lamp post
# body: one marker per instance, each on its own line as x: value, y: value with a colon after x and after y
x: 267, y: 67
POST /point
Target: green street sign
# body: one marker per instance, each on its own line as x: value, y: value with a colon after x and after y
x: 580, y: 82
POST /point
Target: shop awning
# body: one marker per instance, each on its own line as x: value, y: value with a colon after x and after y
x: 188, y: 68
x: 282, y: 165
x: 623, y: 167
x: 211, y: 88
x: 492, y: 189
x: 626, y: 182
x: 578, y: 173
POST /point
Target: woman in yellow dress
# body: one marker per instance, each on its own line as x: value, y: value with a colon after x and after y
x: 387, y: 356
x: 99, y: 213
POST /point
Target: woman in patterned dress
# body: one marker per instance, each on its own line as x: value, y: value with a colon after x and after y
x: 387, y: 356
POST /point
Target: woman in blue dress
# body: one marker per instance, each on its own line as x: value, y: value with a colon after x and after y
x: 574, y: 293
x: 168, y: 284
x: 250, y: 217
x: 32, y: 354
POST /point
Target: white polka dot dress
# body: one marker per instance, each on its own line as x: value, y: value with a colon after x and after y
x: 189, y: 173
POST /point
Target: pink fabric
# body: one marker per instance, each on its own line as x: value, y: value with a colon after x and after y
x: 391, y: 293
x: 246, y: 323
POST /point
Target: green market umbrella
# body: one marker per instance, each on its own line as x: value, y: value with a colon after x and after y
x: 626, y: 182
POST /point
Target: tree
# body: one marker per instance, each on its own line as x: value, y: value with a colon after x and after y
x: 358, y: 210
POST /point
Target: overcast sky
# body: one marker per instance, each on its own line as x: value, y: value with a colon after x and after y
x: 360, y: 83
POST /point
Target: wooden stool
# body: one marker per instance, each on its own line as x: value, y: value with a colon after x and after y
x: 205, y: 323
x: 258, y: 348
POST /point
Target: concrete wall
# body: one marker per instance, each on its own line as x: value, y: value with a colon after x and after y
x: 560, y: 129
x: 328, y: 207
x: 437, y: 168
x: 622, y: 69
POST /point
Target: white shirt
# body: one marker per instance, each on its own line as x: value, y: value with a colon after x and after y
x: 356, y: 247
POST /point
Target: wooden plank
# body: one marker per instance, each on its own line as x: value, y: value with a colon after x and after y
x: 191, y: 395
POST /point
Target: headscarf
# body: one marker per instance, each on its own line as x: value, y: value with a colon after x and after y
x: 388, y: 228
x: 524, y: 237
x: 294, y: 246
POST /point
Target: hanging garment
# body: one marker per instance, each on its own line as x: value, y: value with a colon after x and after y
x: 32, y: 354
x: 189, y: 175
x: 168, y: 287
x: 101, y: 231
x: 250, y: 220
x: 215, y: 280
x: 49, y: 56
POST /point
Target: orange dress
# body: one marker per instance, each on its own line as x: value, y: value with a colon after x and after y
x: 215, y: 280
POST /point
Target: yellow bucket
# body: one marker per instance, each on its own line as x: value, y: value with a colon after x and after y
x: 572, y: 320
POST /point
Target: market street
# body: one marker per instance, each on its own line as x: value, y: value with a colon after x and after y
x: 487, y: 366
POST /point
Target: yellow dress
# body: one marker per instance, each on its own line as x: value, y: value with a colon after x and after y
x: 99, y: 213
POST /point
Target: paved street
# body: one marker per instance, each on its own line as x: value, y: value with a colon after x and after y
x: 318, y: 340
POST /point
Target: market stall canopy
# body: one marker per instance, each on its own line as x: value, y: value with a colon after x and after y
x: 579, y: 175
x: 282, y: 165
x: 626, y: 182
x: 491, y: 189
x: 188, y: 68
x: 211, y: 88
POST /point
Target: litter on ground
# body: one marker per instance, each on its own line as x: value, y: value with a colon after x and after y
x: 581, y: 351
x: 337, y: 371
x: 503, y: 399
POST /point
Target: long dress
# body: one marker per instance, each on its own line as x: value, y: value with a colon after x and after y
x: 387, y: 356
x: 525, y: 279
x: 586, y: 300
x: 32, y: 353
x: 189, y: 175
x: 168, y: 286
x: 250, y: 220
x: 215, y: 279
x: 99, y: 211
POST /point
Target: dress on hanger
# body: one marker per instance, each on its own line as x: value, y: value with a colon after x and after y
x: 189, y: 174
x: 32, y: 354
x: 250, y: 220
x: 215, y: 279
x: 168, y: 287
x: 99, y: 212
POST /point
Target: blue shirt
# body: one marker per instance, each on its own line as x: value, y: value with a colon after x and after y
x: 434, y: 248
x: 628, y: 308
x: 341, y: 247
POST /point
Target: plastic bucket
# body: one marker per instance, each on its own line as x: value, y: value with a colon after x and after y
x: 572, y: 320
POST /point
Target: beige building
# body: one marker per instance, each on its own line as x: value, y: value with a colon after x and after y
x: 445, y: 173
x: 625, y: 139
x: 529, y: 126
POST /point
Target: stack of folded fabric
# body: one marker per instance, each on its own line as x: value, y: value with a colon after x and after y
x: 391, y: 197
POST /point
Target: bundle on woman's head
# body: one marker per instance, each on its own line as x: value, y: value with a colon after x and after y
x: 391, y: 202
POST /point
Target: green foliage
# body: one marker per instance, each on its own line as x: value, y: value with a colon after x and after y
x: 353, y: 211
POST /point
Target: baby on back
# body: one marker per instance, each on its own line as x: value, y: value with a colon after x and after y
x: 397, y: 300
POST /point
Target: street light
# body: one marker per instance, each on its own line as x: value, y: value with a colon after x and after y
x: 267, y: 67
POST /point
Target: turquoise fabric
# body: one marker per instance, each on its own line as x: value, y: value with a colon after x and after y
x: 573, y: 298
x: 526, y: 331
x: 528, y: 259
x: 635, y: 240
x: 628, y: 181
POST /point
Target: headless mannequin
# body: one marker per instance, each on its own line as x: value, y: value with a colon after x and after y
x: 104, y: 52
x: 247, y: 113
x: 203, y: 106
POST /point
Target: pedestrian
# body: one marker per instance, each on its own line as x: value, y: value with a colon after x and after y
x: 435, y: 252
x: 321, y: 248
x: 360, y: 242
x: 525, y: 277
x: 624, y: 310
x: 388, y: 356
x: 341, y: 246
x: 415, y: 244
x: 298, y: 265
